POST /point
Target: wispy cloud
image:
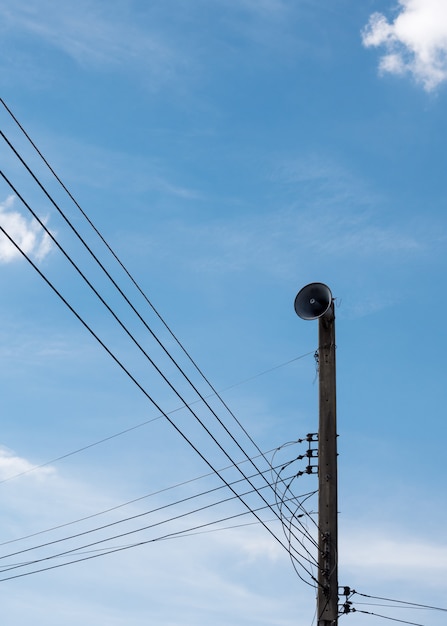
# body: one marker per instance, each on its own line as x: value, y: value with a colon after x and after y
x: 205, y: 573
x: 415, y: 42
x: 115, y: 170
x: 93, y: 34
x: 12, y: 465
x: 263, y: 7
x: 27, y: 233
x: 161, y: 43
x: 383, y: 555
x: 333, y: 216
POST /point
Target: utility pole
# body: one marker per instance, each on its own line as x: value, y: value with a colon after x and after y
x: 315, y: 302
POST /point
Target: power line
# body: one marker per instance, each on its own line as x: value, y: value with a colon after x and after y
x: 149, y: 421
x: 126, y: 330
x: 392, y: 619
x: 190, y: 533
x: 118, y: 536
x: 300, y: 499
x: 130, y: 277
x: 121, y: 264
x: 123, y: 326
x: 396, y: 604
x: 409, y: 604
x: 123, y: 295
x: 390, y: 606
x: 127, y: 547
x: 131, y: 305
x: 147, y: 395
x: 111, y: 354
x: 138, y: 516
x: 119, y: 506
x: 116, y: 317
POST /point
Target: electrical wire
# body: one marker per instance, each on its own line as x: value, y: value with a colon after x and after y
x: 396, y: 604
x: 280, y: 502
x: 123, y: 295
x: 306, y: 535
x: 392, y: 619
x: 409, y: 604
x: 132, y: 517
x: 120, y: 263
x: 117, y: 536
x: 128, y: 302
x: 390, y: 606
x: 289, y: 522
x: 126, y: 547
x: 148, y: 396
x: 189, y: 533
x: 11, y: 567
x: 302, y: 498
x: 119, y: 506
x: 149, y: 421
x: 135, y: 381
x: 125, y: 270
x: 115, y: 316
x: 123, y: 326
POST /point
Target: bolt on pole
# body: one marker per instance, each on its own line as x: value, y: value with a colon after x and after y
x: 315, y: 302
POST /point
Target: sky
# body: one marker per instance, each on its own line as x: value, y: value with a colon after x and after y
x: 228, y: 152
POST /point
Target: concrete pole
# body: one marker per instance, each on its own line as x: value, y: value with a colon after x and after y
x: 327, y: 600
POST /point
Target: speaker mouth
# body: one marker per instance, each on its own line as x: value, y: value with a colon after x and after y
x: 313, y: 301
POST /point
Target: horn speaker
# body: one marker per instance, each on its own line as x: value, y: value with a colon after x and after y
x: 313, y: 301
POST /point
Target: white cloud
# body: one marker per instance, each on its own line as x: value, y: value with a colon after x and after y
x: 91, y: 33
x: 13, y: 465
x: 319, y: 233
x: 215, y: 573
x: 28, y: 234
x: 415, y: 42
x: 393, y: 557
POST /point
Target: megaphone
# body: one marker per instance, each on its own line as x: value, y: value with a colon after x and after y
x: 313, y: 301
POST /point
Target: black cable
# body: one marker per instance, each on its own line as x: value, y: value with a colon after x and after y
x: 392, y: 619
x: 144, y: 391
x: 119, y: 549
x: 115, y: 316
x: 136, y: 516
x: 305, y: 535
x: 118, y: 506
x: 291, y: 526
x: 120, y: 535
x: 280, y: 499
x: 185, y: 533
x: 122, y: 325
x: 123, y: 295
x: 181, y: 501
x: 303, y: 497
x: 130, y: 277
x: 115, y: 358
x: 130, y: 304
x: 86, y: 447
x: 115, y: 256
x: 171, y: 386
x: 392, y: 606
x: 146, y: 422
x: 410, y: 604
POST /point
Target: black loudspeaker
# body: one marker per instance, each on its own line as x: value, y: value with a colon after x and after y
x: 313, y: 301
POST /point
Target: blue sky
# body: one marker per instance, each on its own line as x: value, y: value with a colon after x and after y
x: 230, y: 152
